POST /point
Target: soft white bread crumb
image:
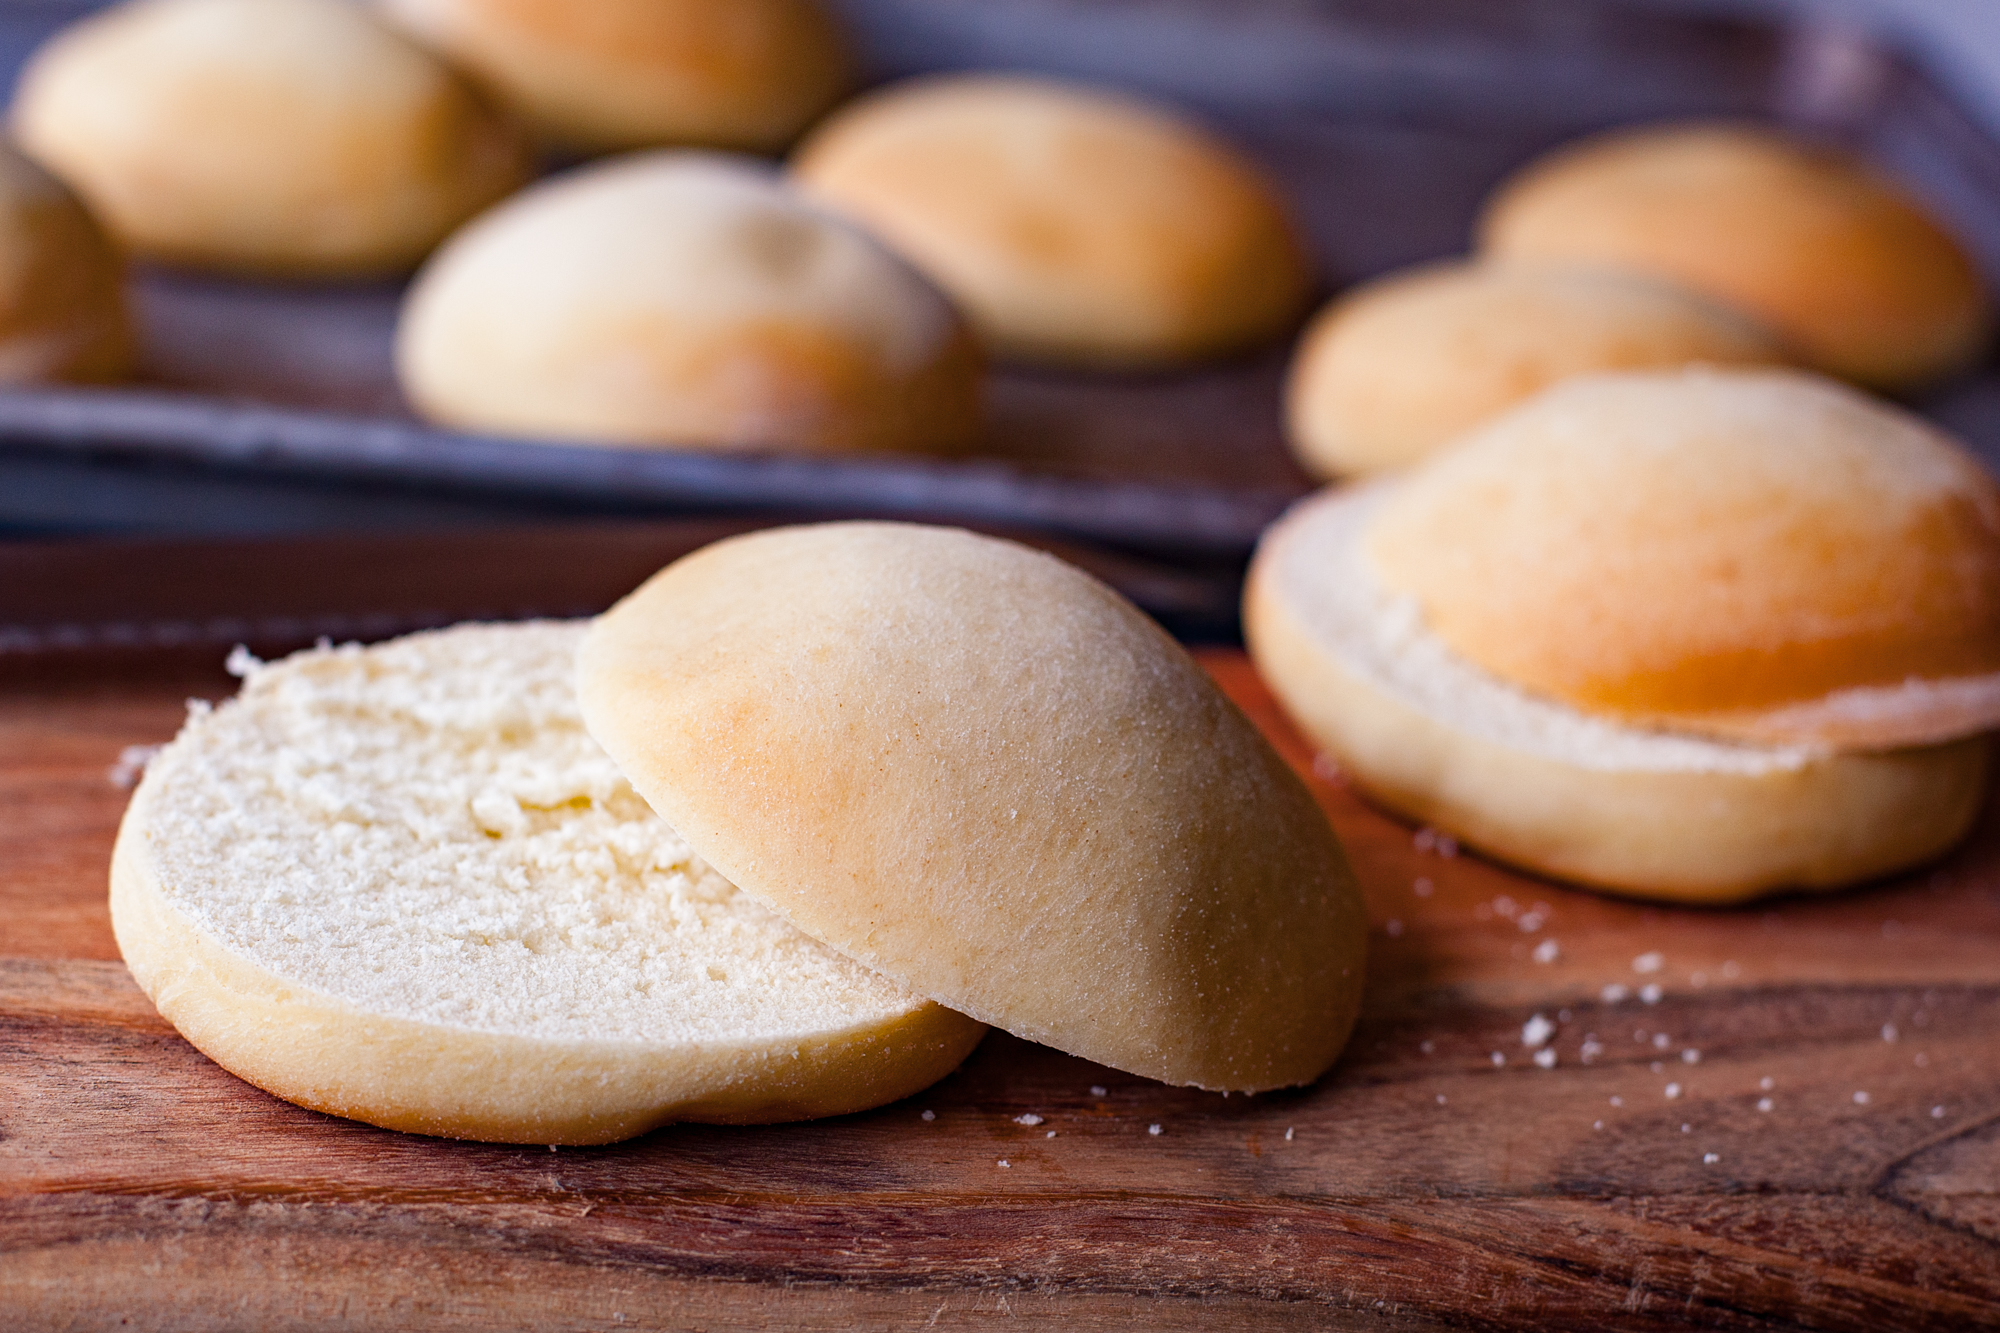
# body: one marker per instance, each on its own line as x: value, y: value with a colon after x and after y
x: 447, y: 911
x: 1557, y: 790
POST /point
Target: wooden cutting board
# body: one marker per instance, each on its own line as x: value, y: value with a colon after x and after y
x: 1799, y: 1128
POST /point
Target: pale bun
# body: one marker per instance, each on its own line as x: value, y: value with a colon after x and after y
x: 1757, y: 554
x: 62, y: 294
x: 1403, y: 365
x: 1561, y: 792
x: 401, y: 884
x: 1074, y: 226
x: 684, y: 300
x: 1841, y: 263
x: 608, y: 75
x: 984, y: 774
x: 282, y: 137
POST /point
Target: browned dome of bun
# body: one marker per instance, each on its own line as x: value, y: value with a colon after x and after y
x: 62, y: 285
x: 1763, y: 555
x: 982, y: 773
x: 1853, y: 273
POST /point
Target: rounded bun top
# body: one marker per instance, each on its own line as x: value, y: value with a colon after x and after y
x: 62, y: 292
x: 607, y: 75
x: 982, y: 773
x: 1753, y: 554
x: 1073, y: 225
x: 275, y: 136
x: 1851, y: 272
x: 1397, y: 368
x: 684, y: 299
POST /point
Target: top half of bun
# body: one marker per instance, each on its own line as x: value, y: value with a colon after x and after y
x: 981, y: 772
x: 1753, y: 554
x: 608, y: 75
x: 1074, y: 224
x: 1852, y: 271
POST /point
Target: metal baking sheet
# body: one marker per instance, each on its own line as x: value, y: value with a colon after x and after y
x: 1386, y: 121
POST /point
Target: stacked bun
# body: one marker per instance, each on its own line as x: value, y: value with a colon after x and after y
x: 1701, y: 634
x: 913, y: 780
x: 62, y: 299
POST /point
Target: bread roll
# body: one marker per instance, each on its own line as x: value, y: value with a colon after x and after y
x: 684, y: 300
x: 1559, y: 790
x: 62, y: 295
x: 1074, y: 226
x: 1838, y: 261
x: 982, y: 773
x: 608, y: 75
x: 1401, y: 366
x: 1757, y: 555
x: 401, y: 884
x: 287, y: 137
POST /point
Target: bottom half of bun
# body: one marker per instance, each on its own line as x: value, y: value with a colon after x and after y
x: 1697, y: 833
x: 327, y: 1054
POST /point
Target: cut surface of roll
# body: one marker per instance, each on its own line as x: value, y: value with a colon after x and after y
x: 685, y: 300
x: 1841, y: 263
x: 1403, y: 365
x: 1758, y: 554
x: 283, y: 137
x: 1556, y: 790
x: 610, y: 75
x: 1074, y: 226
x: 402, y: 884
x: 983, y: 773
x: 62, y: 285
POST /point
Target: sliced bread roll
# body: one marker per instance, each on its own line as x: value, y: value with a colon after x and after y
x: 1556, y: 789
x: 982, y: 772
x: 402, y: 884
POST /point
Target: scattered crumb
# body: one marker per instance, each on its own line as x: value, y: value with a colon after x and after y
x: 1423, y: 887
x: 1546, y: 1057
x: 1661, y: 1041
x: 1497, y: 1059
x: 1153, y: 1130
x: 1673, y: 1091
x: 234, y: 672
x: 1536, y: 1032
x: 1562, y: 1015
x: 1730, y: 970
x: 1394, y: 928
x: 1937, y: 1113
x: 1547, y: 951
x: 1690, y: 1056
x: 1288, y: 1133
x: 1613, y: 993
x: 1617, y: 1101
x: 1441, y: 1099
x: 1428, y: 839
x: 1051, y: 1134
x: 1597, y: 1124
x: 1651, y: 993
x: 930, y: 1115
x: 1531, y: 922
x: 1922, y: 1059
x: 1028, y: 1118
x: 1767, y: 1083
x: 1889, y: 1032
x: 1765, y: 1104
x: 1426, y: 1047
x: 1097, y: 1090
x: 131, y: 766
x: 1861, y: 1099
x: 1686, y: 1128
x: 1592, y: 1048
x: 1649, y: 962
x: 1005, y: 1162
x: 1710, y: 1158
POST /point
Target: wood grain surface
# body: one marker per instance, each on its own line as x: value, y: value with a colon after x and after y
x: 1801, y: 1131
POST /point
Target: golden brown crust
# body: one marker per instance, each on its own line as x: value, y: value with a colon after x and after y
x: 288, y: 137
x: 1400, y: 366
x: 981, y: 773
x: 621, y: 74
x: 1723, y: 552
x: 1686, y: 831
x: 1839, y: 261
x: 685, y: 300
x: 1073, y: 226
x: 62, y: 286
